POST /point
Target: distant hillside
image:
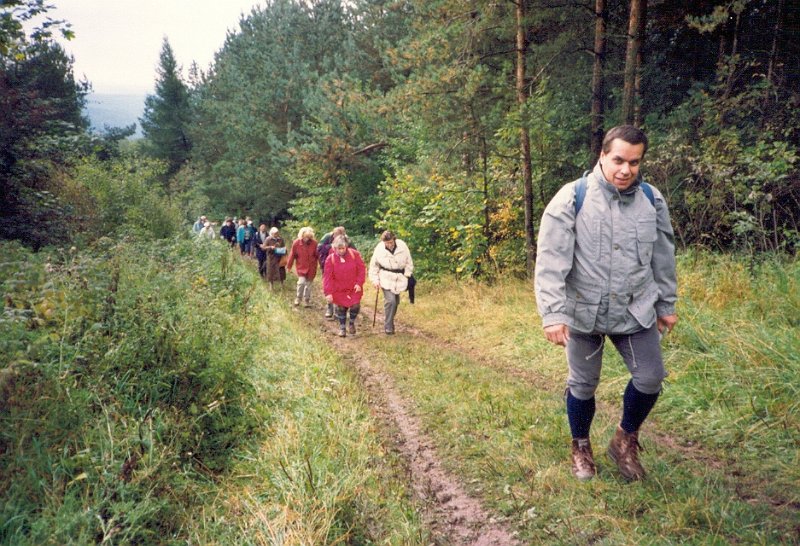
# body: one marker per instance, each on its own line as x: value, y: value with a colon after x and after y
x: 114, y: 110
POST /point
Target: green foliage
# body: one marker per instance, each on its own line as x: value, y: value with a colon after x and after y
x: 40, y: 123
x: 430, y: 216
x: 166, y: 118
x: 122, y: 382
x: 731, y: 181
x: 127, y: 199
x: 251, y: 107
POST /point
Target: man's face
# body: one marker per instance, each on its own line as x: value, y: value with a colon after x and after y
x: 341, y: 250
x: 621, y: 163
x: 389, y: 244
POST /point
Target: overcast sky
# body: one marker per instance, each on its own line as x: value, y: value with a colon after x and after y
x: 117, y: 42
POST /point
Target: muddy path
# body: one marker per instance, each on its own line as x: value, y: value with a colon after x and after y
x: 454, y: 516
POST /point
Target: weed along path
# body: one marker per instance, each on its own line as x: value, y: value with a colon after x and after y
x: 455, y: 516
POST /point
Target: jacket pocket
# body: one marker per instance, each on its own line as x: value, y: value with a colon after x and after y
x: 582, y: 306
x: 645, y: 239
x: 643, y: 304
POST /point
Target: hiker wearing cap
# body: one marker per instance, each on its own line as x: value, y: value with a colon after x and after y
x: 260, y: 245
x: 605, y: 267
x: 303, y: 255
x: 389, y: 270
x: 343, y: 283
x: 276, y: 257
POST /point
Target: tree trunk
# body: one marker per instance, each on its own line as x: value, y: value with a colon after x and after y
x: 598, y: 80
x: 636, y: 25
x: 637, y: 108
x: 487, y: 258
x: 732, y: 61
x: 525, y: 141
x: 773, y: 54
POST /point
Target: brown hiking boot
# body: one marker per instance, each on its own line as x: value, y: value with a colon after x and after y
x: 582, y: 459
x: 352, y: 328
x: 624, y: 450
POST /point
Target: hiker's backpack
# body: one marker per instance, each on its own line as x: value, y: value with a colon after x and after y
x: 580, y: 192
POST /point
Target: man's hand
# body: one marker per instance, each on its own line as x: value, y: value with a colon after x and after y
x: 666, y: 324
x: 357, y: 288
x: 557, y: 333
x: 329, y: 298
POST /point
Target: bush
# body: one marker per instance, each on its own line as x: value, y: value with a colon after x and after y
x: 122, y: 378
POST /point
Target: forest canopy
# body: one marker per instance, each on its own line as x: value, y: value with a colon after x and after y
x: 451, y: 122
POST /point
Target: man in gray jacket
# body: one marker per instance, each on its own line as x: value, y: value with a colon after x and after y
x: 606, y: 267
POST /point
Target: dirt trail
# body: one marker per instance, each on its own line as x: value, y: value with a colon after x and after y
x: 455, y: 517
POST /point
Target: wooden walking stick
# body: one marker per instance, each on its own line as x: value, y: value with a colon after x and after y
x: 375, y: 312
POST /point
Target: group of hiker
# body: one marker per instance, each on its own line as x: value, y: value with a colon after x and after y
x: 605, y: 268
x: 343, y: 269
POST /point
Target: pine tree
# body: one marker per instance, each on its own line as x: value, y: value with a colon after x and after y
x: 167, y: 114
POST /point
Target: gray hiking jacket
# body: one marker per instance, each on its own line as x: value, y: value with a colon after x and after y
x: 611, y: 270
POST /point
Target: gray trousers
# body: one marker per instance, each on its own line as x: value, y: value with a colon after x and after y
x: 342, y: 312
x: 304, y: 289
x: 641, y: 352
x: 391, y: 302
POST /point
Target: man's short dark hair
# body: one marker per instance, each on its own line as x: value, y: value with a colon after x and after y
x: 628, y: 133
x: 388, y: 236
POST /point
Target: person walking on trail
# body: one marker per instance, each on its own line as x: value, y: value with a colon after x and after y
x: 207, y: 232
x: 241, y: 231
x: 303, y: 254
x: 343, y: 283
x: 324, y: 249
x: 606, y: 268
x: 389, y: 270
x: 228, y: 232
x: 199, y: 225
x: 276, y: 258
x: 260, y: 244
x: 249, y: 236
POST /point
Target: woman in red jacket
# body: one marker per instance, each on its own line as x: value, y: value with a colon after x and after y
x: 343, y: 283
x: 304, y: 254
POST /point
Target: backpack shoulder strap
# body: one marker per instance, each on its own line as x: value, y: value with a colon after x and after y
x: 648, y: 191
x: 580, y: 192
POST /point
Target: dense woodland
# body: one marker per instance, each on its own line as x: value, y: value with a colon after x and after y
x: 452, y: 122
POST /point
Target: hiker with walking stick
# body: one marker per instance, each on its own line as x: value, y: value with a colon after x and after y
x: 390, y: 268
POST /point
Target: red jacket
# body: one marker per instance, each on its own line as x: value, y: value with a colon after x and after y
x: 340, y: 276
x: 305, y: 254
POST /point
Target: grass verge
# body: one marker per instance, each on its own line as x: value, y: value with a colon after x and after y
x: 722, y: 444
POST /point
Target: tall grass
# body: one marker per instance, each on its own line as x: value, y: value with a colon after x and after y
x: 722, y: 443
x: 154, y: 393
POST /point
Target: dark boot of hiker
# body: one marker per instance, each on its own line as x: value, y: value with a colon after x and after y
x: 624, y: 450
x: 352, y: 328
x: 582, y: 459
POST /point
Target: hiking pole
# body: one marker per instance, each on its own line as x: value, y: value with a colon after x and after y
x: 375, y: 312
